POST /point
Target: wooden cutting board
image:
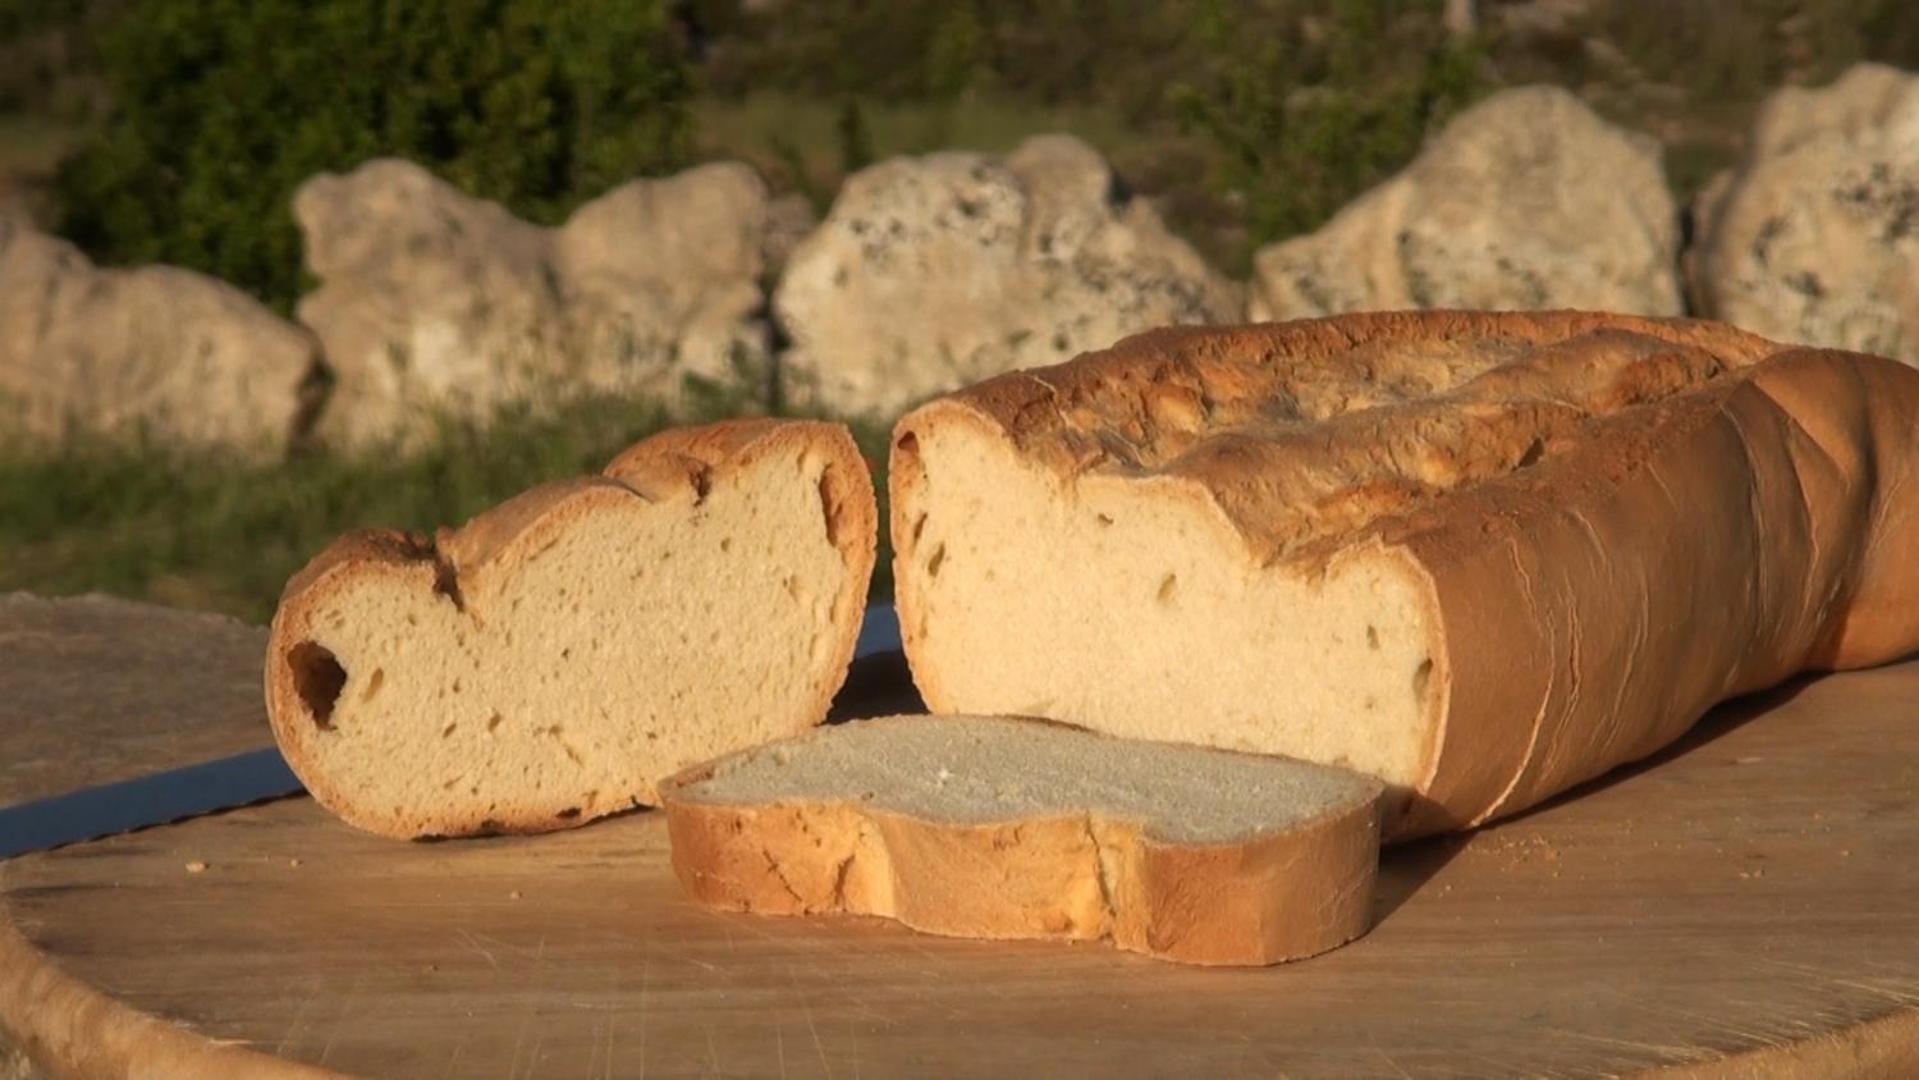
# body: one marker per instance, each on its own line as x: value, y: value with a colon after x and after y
x: 1745, y: 905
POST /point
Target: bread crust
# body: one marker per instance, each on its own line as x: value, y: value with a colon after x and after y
x: 1277, y: 895
x: 1619, y: 524
x: 664, y: 469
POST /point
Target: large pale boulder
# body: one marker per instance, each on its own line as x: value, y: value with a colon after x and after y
x: 1528, y: 200
x: 430, y: 301
x: 669, y: 270
x: 930, y: 273
x: 1815, y: 237
x: 433, y: 303
x: 154, y: 352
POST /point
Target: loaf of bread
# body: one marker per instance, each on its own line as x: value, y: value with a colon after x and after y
x: 1482, y: 557
x: 555, y: 658
x: 996, y: 828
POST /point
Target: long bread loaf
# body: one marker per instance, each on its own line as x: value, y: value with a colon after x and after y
x: 1482, y: 557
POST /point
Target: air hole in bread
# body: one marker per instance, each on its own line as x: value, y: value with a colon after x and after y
x: 493, y: 722
x: 726, y: 543
x: 1372, y: 637
x: 568, y: 814
x: 447, y: 731
x: 1103, y: 519
x: 1168, y: 588
x: 373, y: 683
x: 1421, y: 675
x: 933, y: 564
x: 831, y: 504
x: 318, y: 678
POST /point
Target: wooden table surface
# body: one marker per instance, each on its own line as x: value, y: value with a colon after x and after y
x: 97, y: 689
x: 1746, y: 905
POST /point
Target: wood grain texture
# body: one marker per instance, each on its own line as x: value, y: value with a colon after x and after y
x: 1743, y: 906
x: 97, y: 689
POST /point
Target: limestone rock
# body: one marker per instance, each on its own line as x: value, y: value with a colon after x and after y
x: 668, y: 269
x: 152, y: 352
x: 436, y: 303
x: 1526, y: 201
x: 429, y: 300
x: 930, y: 273
x: 1815, y: 237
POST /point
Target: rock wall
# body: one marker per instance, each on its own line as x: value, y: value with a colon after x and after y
x: 930, y: 273
x: 1815, y: 237
x: 434, y: 303
x: 933, y: 272
x: 1528, y: 200
x: 153, y: 352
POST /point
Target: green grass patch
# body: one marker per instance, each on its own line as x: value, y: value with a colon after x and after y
x: 205, y: 531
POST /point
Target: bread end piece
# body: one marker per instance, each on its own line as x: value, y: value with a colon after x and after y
x: 550, y: 661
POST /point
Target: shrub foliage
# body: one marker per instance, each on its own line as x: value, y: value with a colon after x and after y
x: 1315, y: 113
x: 222, y: 107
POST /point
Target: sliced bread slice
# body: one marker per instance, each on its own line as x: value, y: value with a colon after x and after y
x: 553, y: 660
x: 991, y: 827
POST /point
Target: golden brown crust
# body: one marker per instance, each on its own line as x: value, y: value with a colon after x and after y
x: 679, y: 463
x: 688, y: 458
x: 1305, y: 435
x: 361, y: 547
x: 525, y: 520
x: 1280, y: 895
x: 1622, y: 520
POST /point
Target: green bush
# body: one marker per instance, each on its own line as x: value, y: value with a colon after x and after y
x: 1117, y: 53
x: 1321, y: 109
x: 222, y: 108
x: 1259, y: 119
x: 1742, y: 50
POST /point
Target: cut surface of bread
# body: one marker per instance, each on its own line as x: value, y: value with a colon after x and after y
x: 1482, y: 557
x: 991, y: 827
x: 555, y: 658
